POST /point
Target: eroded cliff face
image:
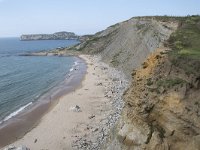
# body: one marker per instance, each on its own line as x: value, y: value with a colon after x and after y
x: 126, y: 45
x: 160, y: 56
x: 162, y: 108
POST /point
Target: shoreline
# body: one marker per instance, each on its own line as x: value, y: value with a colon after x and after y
x: 100, y: 101
x: 27, y: 119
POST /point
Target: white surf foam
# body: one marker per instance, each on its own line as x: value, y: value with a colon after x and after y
x: 71, y: 69
x: 75, y: 63
x: 74, y: 66
x: 16, y: 112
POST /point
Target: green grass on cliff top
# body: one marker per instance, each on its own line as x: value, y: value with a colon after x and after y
x: 185, y: 43
x: 186, y: 40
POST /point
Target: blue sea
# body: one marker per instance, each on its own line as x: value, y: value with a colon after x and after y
x: 23, y: 79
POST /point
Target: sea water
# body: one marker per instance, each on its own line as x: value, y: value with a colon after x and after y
x: 23, y: 79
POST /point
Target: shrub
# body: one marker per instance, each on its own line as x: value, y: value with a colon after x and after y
x: 168, y: 83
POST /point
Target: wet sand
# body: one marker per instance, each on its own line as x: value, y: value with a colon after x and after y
x: 19, y: 125
x: 63, y: 129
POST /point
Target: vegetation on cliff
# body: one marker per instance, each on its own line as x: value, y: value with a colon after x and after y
x: 161, y: 57
x: 162, y: 104
x: 185, y: 43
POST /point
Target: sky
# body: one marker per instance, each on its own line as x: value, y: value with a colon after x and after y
x: 82, y: 16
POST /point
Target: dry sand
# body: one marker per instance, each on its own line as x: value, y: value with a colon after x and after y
x: 60, y: 126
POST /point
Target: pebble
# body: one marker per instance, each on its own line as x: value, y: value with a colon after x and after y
x: 114, y: 91
x: 92, y: 116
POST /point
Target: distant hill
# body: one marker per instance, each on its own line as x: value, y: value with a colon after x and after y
x: 55, y: 36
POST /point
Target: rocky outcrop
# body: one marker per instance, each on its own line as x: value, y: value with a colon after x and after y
x: 55, y: 36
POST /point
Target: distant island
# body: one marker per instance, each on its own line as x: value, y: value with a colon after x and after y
x: 55, y: 36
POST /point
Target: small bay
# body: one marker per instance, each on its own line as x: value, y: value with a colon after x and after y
x: 24, y: 79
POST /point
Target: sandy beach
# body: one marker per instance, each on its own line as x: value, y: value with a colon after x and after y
x: 65, y: 128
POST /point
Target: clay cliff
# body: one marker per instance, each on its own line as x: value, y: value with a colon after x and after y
x: 127, y: 44
x: 161, y: 58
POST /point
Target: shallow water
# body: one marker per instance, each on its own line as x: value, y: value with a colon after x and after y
x: 24, y: 80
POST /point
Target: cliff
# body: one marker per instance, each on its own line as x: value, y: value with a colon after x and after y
x: 55, y: 36
x: 127, y: 44
x: 161, y: 57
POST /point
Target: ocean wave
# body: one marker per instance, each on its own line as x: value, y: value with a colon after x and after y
x: 74, y: 66
x: 16, y: 112
x: 75, y: 63
x: 71, y: 69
